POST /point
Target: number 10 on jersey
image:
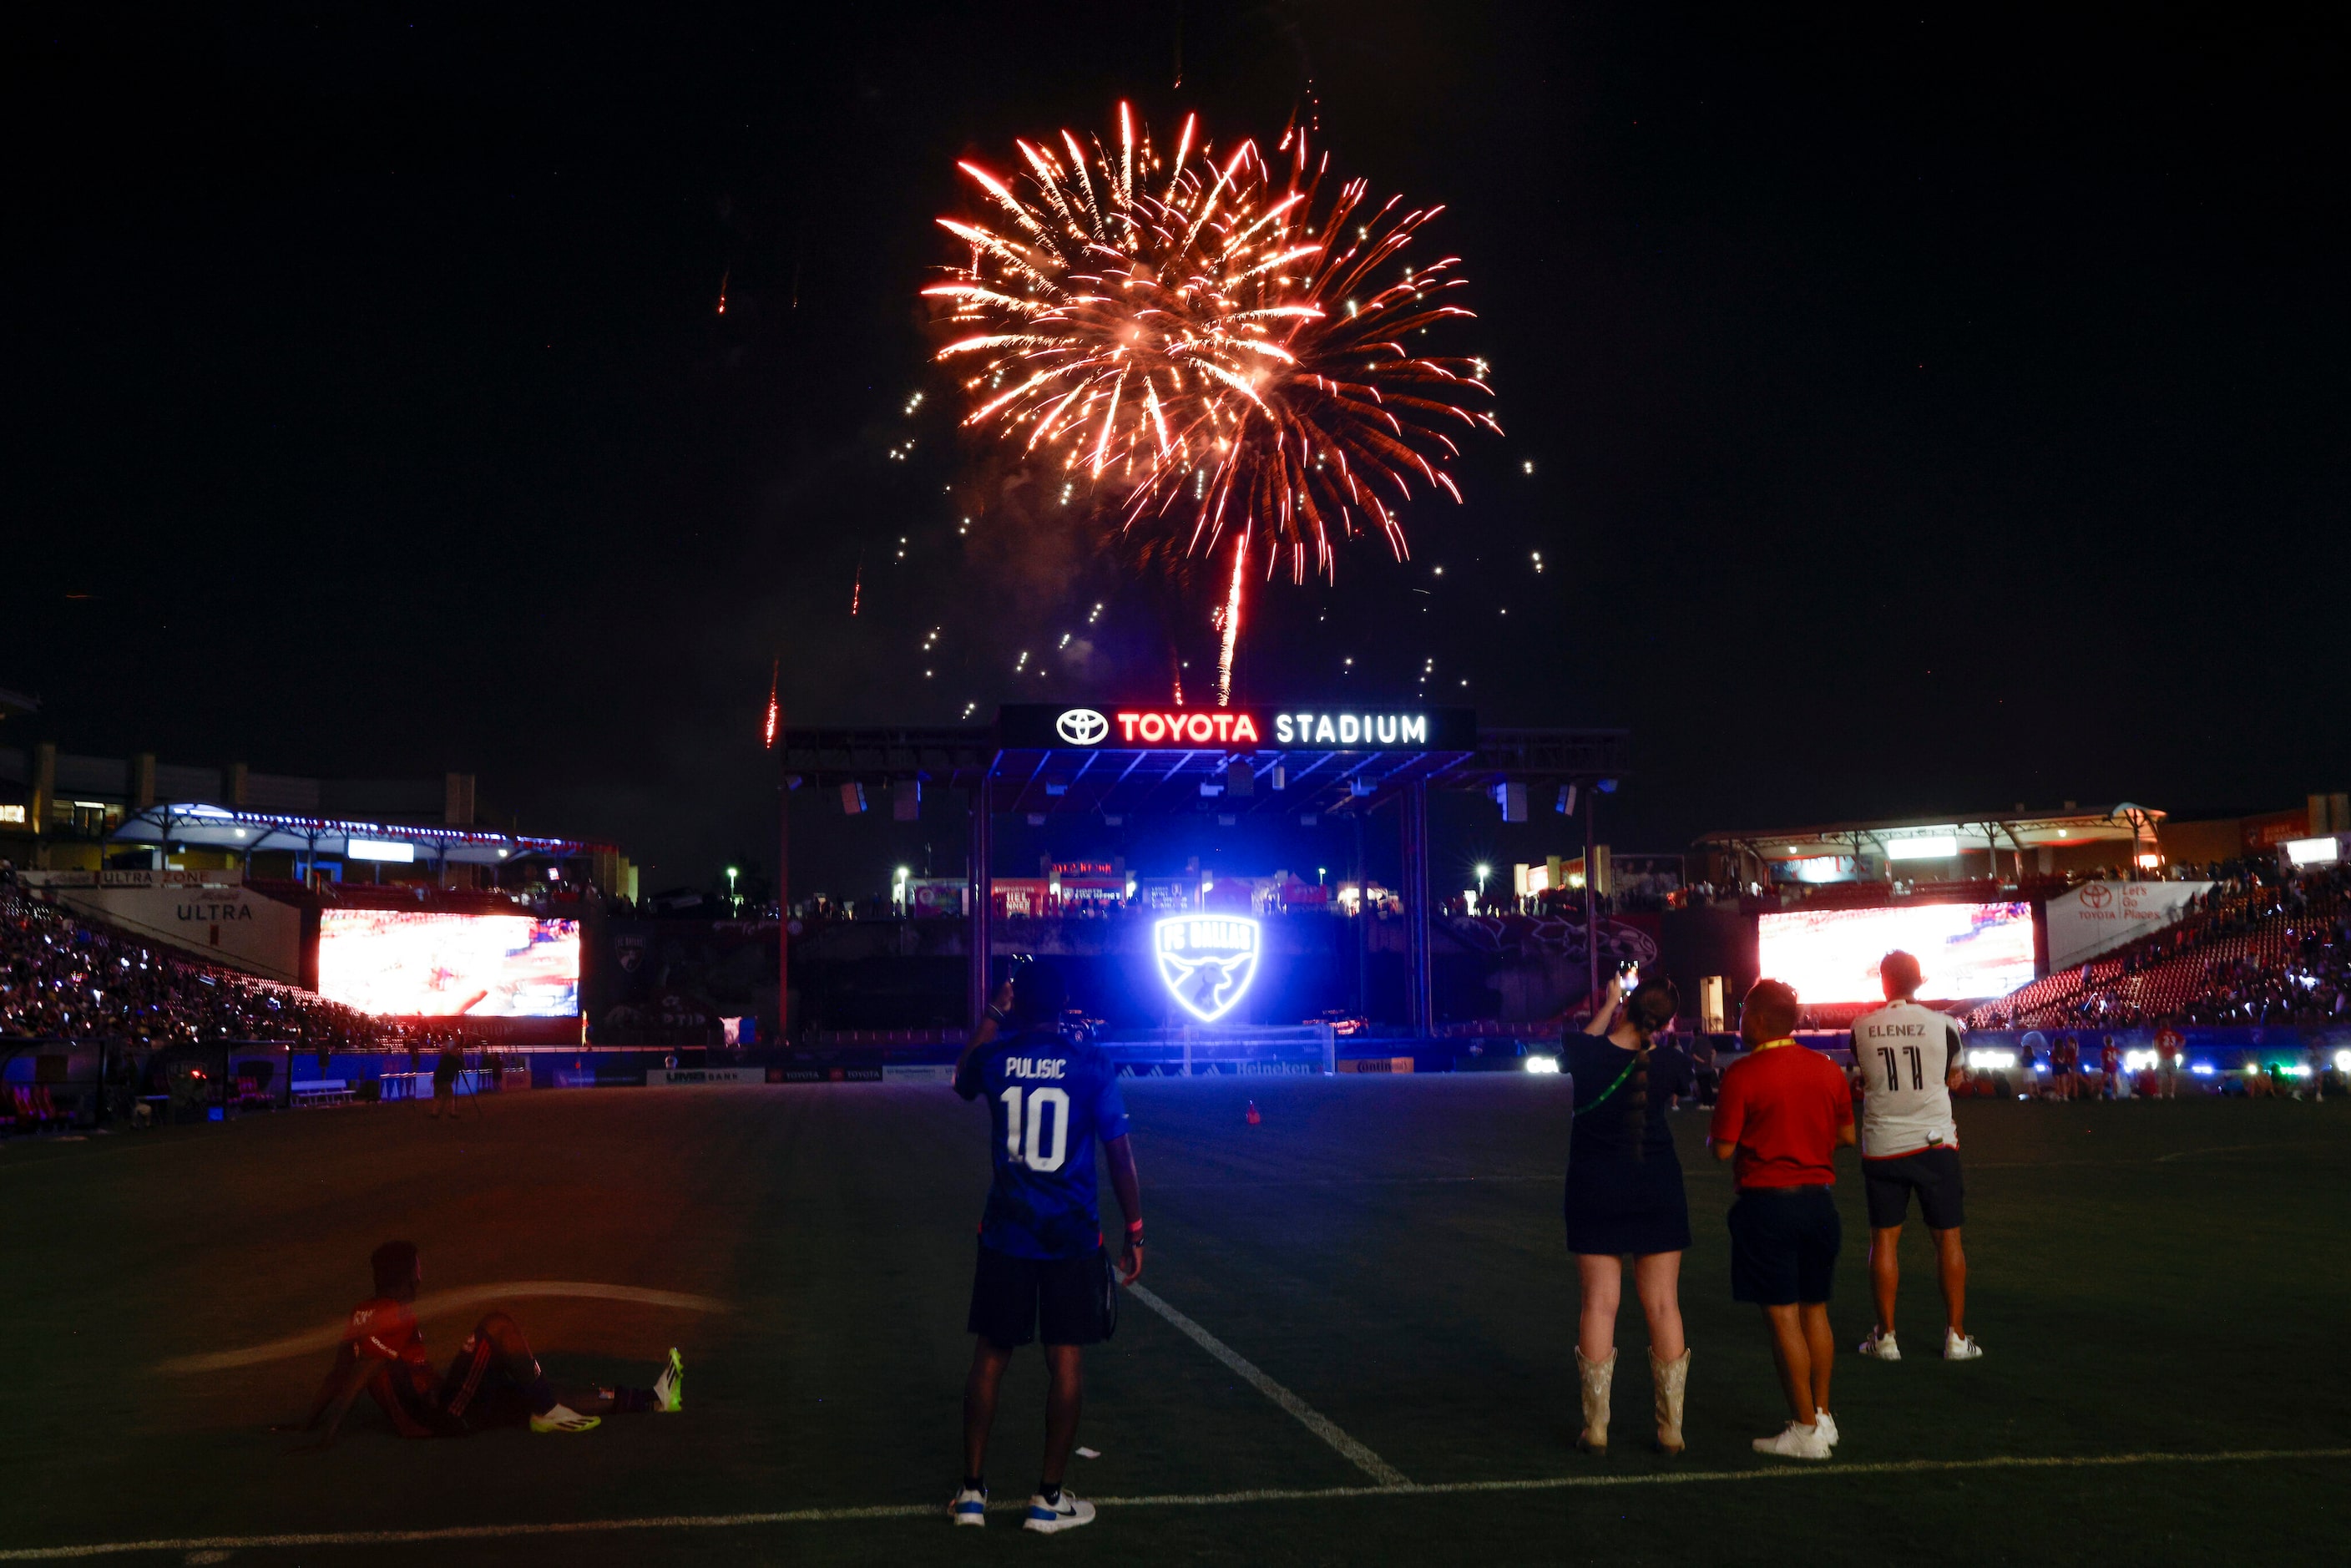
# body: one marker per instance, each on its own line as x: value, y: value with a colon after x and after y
x: 1029, y: 1149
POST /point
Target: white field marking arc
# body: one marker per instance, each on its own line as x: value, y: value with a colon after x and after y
x: 1171, y: 1500
x: 1313, y: 1421
x: 445, y: 1303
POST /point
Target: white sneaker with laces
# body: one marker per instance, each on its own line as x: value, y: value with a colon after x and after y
x: 1827, y: 1425
x: 1795, y: 1443
x: 1961, y: 1346
x: 1045, y: 1518
x: 563, y: 1419
x: 669, y: 1388
x: 970, y: 1506
x: 1881, y: 1346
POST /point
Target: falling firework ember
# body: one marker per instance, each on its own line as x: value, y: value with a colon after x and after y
x: 1210, y: 349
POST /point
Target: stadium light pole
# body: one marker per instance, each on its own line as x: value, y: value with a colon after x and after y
x: 1591, y: 903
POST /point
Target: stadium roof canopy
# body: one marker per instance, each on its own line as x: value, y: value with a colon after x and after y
x: 1906, y: 838
x: 245, y: 832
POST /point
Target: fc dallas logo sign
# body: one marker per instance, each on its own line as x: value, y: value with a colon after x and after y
x: 1207, y: 961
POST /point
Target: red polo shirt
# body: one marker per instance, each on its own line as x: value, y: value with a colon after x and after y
x: 1782, y: 1105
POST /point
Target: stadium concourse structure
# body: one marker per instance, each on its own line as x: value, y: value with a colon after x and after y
x: 315, y: 842
x: 1947, y: 849
x: 1114, y: 761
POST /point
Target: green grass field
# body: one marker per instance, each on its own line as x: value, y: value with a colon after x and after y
x: 2149, y: 1279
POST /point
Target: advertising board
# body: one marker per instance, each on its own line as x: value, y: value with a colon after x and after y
x: 1967, y: 950
x: 2100, y: 915
x: 1157, y: 727
x: 418, y: 963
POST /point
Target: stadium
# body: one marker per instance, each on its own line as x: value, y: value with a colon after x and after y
x: 202, y: 997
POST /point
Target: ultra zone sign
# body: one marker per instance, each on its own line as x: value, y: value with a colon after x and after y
x: 1207, y: 961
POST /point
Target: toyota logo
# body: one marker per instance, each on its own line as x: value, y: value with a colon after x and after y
x: 2097, y: 895
x: 1083, y: 726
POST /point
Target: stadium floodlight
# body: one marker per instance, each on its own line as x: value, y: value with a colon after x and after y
x: 1933, y: 847
x: 379, y: 850
x: 2314, y: 851
x: 1207, y: 961
x: 2343, y: 1061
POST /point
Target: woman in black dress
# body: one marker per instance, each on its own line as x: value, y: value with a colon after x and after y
x: 1625, y: 1197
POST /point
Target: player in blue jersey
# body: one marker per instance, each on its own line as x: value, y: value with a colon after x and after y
x: 1041, y: 1262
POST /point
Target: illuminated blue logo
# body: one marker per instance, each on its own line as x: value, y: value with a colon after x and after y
x: 1207, y: 961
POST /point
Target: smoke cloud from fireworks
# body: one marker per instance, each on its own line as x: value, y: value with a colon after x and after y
x: 1210, y: 349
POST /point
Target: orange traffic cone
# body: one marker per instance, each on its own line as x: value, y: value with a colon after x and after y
x: 1253, y: 1117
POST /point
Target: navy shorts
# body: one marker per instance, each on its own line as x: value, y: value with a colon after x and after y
x: 1064, y: 1300
x: 1932, y: 1174
x: 1783, y: 1245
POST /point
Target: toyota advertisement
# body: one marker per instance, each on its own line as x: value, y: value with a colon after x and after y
x: 1968, y: 950
x: 412, y: 964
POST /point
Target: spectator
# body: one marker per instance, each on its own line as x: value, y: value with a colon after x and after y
x: 1784, y: 1113
x: 1626, y: 1199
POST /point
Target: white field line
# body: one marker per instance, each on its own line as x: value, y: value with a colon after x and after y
x: 1313, y: 1421
x: 1172, y: 1500
x: 446, y: 1303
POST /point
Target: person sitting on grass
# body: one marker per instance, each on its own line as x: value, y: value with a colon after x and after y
x: 493, y: 1381
x: 1783, y: 1114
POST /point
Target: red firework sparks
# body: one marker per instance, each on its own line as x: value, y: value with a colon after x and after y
x: 1218, y: 350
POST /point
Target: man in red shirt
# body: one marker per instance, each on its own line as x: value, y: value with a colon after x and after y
x: 493, y: 1381
x: 1783, y: 1112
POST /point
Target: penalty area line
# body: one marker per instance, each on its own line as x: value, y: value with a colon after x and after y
x: 1171, y: 1500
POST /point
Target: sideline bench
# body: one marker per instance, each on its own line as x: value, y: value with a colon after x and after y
x: 323, y: 1091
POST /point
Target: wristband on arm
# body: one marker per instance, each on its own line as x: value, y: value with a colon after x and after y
x: 1134, y: 1233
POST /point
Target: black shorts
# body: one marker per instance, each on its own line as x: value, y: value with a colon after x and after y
x: 1933, y: 1174
x: 1073, y: 1300
x: 1783, y: 1245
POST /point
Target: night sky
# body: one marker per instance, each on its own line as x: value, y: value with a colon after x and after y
x: 1931, y: 412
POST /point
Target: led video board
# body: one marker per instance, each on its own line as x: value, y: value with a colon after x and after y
x: 1966, y: 949
x: 412, y: 963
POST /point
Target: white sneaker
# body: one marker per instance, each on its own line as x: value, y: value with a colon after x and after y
x: 669, y: 1388
x: 1881, y: 1346
x: 1827, y: 1425
x: 970, y: 1506
x: 1961, y: 1346
x: 563, y: 1419
x: 1045, y: 1518
x: 1795, y: 1443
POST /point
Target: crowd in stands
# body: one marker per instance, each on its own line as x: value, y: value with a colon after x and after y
x: 2254, y: 948
x: 63, y: 979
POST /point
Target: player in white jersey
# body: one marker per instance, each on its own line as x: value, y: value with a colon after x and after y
x: 1909, y: 1058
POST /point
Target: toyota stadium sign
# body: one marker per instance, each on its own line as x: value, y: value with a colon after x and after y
x: 1136, y: 727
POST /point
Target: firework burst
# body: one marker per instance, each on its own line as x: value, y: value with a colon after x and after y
x: 1219, y: 353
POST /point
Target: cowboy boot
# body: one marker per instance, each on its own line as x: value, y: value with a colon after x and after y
x: 1671, y: 1377
x: 1597, y: 1376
